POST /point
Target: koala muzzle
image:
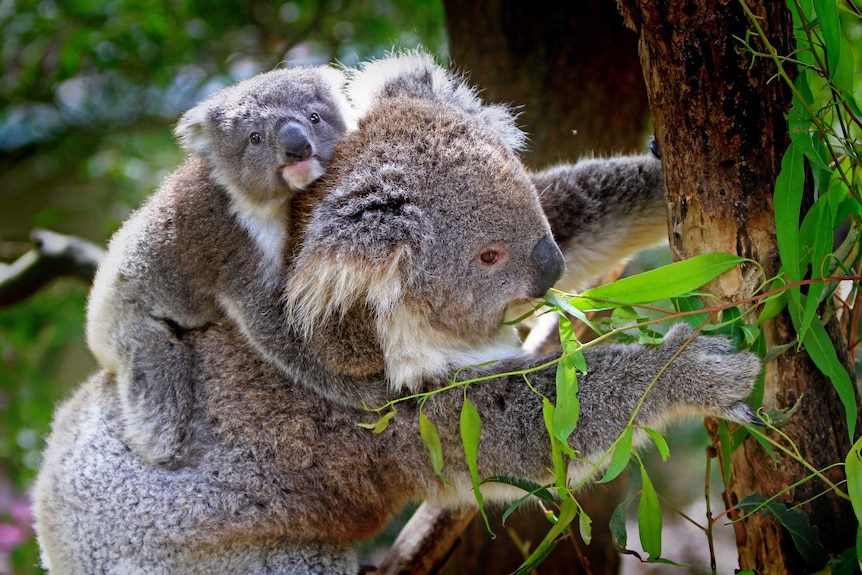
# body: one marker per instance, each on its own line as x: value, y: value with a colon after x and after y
x: 294, y: 143
x: 550, y: 265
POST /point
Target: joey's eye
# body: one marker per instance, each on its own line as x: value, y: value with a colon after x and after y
x: 314, y: 118
x: 489, y: 257
x: 255, y: 138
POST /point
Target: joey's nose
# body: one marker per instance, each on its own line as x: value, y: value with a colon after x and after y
x: 550, y: 266
x: 294, y: 143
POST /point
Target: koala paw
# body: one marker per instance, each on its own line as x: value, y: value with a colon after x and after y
x: 714, y: 379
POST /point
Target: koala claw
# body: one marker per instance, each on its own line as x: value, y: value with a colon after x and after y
x: 741, y: 412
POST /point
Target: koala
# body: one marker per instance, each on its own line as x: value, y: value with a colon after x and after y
x: 425, y: 229
x: 210, y: 243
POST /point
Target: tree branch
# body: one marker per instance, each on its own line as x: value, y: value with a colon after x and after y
x: 53, y: 256
x: 426, y: 541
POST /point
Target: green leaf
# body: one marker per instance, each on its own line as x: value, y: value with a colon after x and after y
x: 805, y: 537
x: 659, y: 441
x: 853, y: 469
x: 554, y: 299
x: 649, y: 518
x: 621, y: 456
x: 585, y: 526
x: 381, y: 424
x: 787, y: 198
x: 830, y: 28
x: 568, y: 510
x: 531, y: 487
x: 822, y: 353
x: 431, y: 439
x: 556, y: 451
x: 568, y: 409
x: 726, y: 443
x: 471, y: 430
x: 673, y: 280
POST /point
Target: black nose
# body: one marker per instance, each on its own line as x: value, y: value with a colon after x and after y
x: 550, y: 266
x: 294, y: 142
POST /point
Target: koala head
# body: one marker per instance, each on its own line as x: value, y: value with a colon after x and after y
x: 270, y: 135
x: 429, y: 222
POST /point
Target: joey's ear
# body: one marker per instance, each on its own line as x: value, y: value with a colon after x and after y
x: 416, y: 75
x: 359, y: 248
x: 193, y: 128
x: 336, y: 80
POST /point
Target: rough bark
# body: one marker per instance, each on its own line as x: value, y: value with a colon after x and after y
x: 567, y: 66
x: 720, y: 125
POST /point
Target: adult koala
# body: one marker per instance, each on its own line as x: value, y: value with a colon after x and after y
x: 424, y: 230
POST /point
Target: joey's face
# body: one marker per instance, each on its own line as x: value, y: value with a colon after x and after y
x: 274, y: 134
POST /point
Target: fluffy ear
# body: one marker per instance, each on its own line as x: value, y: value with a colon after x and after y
x: 193, y: 128
x: 416, y: 75
x: 336, y: 79
x: 356, y: 250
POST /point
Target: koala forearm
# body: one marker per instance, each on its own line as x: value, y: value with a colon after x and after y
x: 602, y: 211
x: 621, y: 380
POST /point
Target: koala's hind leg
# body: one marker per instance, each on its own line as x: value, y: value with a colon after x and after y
x: 156, y: 391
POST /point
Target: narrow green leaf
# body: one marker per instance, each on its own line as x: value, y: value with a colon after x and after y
x: 568, y: 409
x: 531, y: 487
x: 666, y: 282
x: 617, y: 525
x: 806, y: 538
x: 726, y: 442
x: 585, y: 526
x: 568, y: 510
x: 649, y: 518
x: 556, y: 452
x: 659, y: 441
x: 822, y: 353
x: 471, y: 430
x: 830, y: 28
x: 431, y: 439
x: 787, y: 198
x: 853, y: 469
x: 620, y: 458
x: 555, y: 300
x: 380, y: 425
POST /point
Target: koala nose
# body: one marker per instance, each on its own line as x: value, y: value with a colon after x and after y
x: 549, y: 263
x: 294, y: 143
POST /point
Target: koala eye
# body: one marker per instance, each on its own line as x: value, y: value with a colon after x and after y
x: 255, y: 138
x: 489, y: 257
x: 314, y: 118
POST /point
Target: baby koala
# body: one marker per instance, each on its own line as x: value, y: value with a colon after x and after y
x: 210, y: 243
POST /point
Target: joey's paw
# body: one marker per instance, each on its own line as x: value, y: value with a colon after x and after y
x: 714, y: 378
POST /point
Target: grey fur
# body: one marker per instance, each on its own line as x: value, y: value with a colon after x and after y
x: 283, y: 472
x: 210, y: 244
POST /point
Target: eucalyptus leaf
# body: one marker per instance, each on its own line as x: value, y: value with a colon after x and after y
x: 673, y: 280
x: 649, y: 518
x: 471, y: 431
x: 567, y: 410
x: 659, y: 441
x: 620, y: 458
x: 853, y: 470
x: 806, y: 538
x: 431, y: 439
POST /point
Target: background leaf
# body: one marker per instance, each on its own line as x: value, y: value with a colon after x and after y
x: 649, y: 518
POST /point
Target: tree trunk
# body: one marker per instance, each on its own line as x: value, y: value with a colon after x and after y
x: 569, y: 67
x: 720, y: 125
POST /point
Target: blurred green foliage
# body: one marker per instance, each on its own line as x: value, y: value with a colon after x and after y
x: 89, y: 90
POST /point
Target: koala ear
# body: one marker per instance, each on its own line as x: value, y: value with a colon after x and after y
x: 193, y: 128
x: 336, y: 79
x: 416, y: 75
x: 357, y: 249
